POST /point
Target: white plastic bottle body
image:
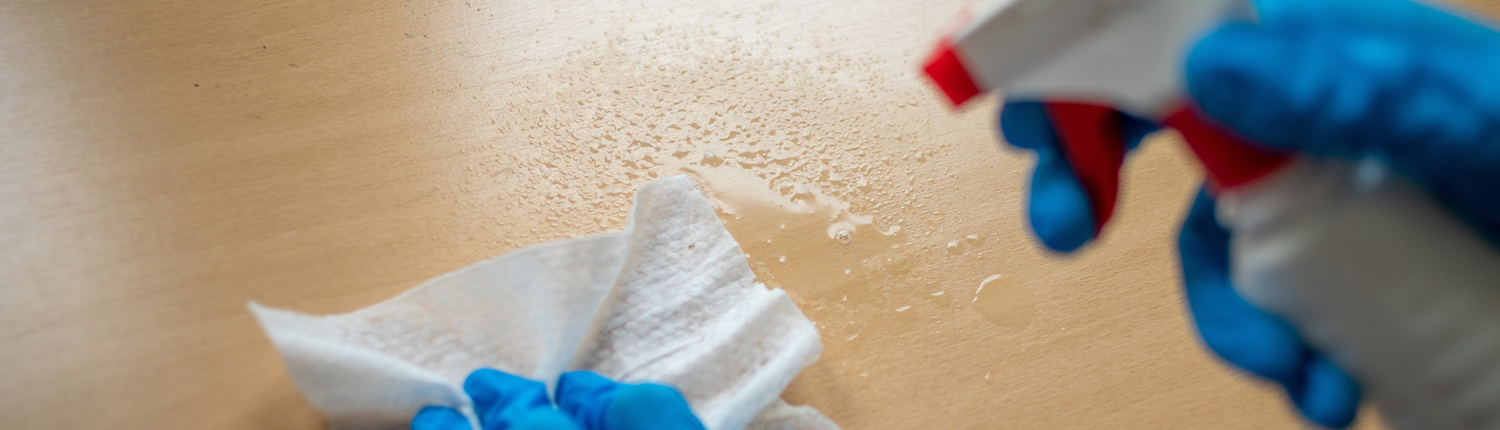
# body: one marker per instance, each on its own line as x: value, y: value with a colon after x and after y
x: 1376, y: 274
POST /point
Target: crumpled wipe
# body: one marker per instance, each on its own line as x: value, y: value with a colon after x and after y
x: 671, y: 299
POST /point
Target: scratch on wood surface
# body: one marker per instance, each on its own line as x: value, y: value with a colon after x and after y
x: 247, y: 54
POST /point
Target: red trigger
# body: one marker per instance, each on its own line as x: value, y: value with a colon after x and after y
x: 1094, y: 143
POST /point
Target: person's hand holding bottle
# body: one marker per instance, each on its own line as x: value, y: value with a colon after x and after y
x: 1390, y: 79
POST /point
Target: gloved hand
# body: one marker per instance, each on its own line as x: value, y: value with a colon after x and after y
x: 601, y: 404
x: 1394, y: 79
x: 1062, y: 214
x: 1352, y: 78
x: 587, y: 402
x: 503, y: 402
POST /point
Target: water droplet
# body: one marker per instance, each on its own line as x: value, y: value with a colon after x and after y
x: 1004, y: 301
x: 843, y: 237
x: 712, y: 159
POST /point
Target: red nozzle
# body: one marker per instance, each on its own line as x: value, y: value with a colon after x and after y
x: 948, y: 72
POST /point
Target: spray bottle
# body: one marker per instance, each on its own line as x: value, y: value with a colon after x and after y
x: 1368, y: 267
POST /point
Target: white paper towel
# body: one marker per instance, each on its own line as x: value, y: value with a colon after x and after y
x: 783, y: 416
x: 671, y: 299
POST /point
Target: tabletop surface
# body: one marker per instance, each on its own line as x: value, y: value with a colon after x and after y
x: 167, y: 161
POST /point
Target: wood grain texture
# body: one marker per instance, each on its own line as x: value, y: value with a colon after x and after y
x: 166, y: 161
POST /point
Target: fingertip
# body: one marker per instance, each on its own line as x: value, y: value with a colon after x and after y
x: 1328, y: 395
x: 480, y: 385
x: 1248, y: 338
x: 439, y: 418
x: 1059, y: 210
x: 585, y: 396
x: 486, y: 387
x: 583, y: 383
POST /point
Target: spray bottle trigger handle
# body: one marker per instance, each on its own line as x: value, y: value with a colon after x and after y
x: 1093, y: 140
x: 1229, y: 159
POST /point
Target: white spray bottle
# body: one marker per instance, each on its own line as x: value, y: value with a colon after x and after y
x: 1368, y: 267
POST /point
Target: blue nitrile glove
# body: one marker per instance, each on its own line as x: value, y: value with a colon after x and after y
x: 1353, y: 78
x: 1394, y: 79
x: 1059, y: 207
x: 601, y: 404
x: 1242, y: 334
x: 1250, y: 338
x: 503, y: 402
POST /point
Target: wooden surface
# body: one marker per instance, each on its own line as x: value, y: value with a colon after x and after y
x: 166, y: 161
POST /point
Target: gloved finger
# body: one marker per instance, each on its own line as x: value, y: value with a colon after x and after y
x: 1250, y: 338
x: 439, y: 418
x: 602, y: 404
x: 1080, y: 149
x: 1324, y: 393
x: 504, y: 401
x: 1239, y: 332
x: 586, y: 396
x: 1058, y: 208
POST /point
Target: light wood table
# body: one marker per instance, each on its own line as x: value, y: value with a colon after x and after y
x: 166, y: 161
